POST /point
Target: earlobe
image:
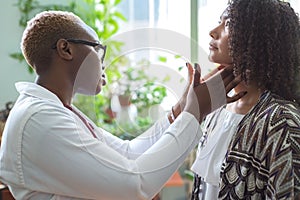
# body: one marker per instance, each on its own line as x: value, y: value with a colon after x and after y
x: 64, y: 49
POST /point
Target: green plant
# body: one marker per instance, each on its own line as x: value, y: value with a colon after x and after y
x: 133, y: 84
x: 148, y: 95
x: 131, y: 76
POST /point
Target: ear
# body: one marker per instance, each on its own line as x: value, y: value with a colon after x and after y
x: 64, y: 49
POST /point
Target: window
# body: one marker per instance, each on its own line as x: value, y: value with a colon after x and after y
x: 158, y: 31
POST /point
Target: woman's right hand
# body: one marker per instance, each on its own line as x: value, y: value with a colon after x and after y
x: 178, y: 107
x: 205, y: 96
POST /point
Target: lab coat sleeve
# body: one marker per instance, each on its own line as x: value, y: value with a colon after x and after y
x: 134, y: 148
x: 60, y: 156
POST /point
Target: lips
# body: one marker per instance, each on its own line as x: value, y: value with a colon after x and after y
x: 212, y: 46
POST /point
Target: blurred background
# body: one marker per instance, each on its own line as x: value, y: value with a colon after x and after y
x: 149, y: 42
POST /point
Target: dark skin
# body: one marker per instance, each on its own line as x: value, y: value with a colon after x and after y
x: 60, y: 75
x: 219, y: 53
x: 197, y: 93
x: 243, y: 105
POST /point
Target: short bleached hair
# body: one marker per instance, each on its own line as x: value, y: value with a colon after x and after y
x: 43, y: 31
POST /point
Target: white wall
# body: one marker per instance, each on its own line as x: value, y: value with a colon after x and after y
x: 11, y: 70
x: 296, y: 5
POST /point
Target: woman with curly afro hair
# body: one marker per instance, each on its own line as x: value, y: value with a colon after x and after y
x: 250, y: 148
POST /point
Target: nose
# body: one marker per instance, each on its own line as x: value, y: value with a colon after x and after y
x: 213, y: 33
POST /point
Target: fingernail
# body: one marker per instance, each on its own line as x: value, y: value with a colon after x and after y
x: 220, y: 67
x: 195, y: 65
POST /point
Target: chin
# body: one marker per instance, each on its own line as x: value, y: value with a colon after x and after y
x: 211, y: 58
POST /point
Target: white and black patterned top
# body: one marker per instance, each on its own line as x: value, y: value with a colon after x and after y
x: 263, y: 159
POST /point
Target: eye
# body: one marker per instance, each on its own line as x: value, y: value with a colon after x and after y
x: 226, y: 25
x: 227, y: 22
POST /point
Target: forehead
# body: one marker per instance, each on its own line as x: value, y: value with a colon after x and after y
x: 89, y: 32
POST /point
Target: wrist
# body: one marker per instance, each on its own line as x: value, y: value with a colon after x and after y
x: 172, y: 116
x: 178, y: 108
x: 195, y: 112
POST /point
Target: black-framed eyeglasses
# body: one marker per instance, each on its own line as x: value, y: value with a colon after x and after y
x: 101, y: 50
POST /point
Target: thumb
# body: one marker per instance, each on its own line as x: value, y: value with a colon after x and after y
x: 190, y: 73
x: 197, y: 75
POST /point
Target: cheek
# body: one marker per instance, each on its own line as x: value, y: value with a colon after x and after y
x: 224, y: 48
x: 224, y: 45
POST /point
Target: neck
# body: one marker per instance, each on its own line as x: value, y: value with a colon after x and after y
x: 59, y: 85
x: 244, y: 105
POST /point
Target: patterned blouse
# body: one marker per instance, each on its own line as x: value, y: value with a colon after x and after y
x: 263, y: 159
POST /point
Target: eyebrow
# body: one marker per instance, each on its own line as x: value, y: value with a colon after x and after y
x: 224, y: 16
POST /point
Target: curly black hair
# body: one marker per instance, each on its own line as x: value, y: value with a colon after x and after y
x: 264, y: 43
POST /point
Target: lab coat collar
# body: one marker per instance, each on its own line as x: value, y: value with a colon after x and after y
x: 37, y: 91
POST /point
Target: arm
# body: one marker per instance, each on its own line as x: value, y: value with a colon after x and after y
x: 60, y: 157
x: 134, y: 148
x: 69, y: 162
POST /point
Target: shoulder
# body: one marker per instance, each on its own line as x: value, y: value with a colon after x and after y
x: 28, y: 110
x: 272, y: 115
x: 283, y: 110
x: 275, y: 109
